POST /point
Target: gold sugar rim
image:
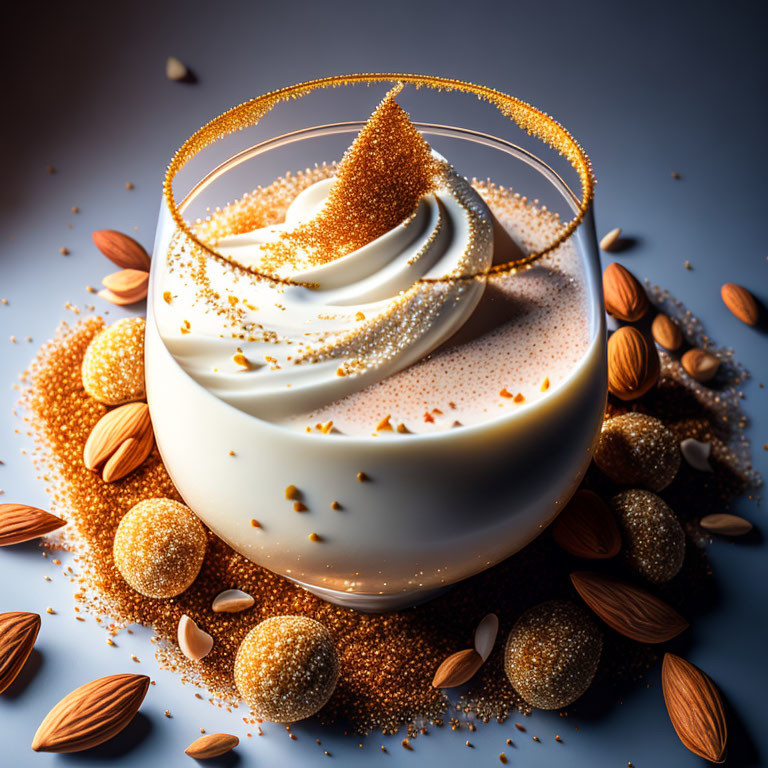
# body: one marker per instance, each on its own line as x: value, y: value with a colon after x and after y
x: 528, y: 118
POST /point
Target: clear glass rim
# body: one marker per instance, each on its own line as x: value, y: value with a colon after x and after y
x: 528, y: 118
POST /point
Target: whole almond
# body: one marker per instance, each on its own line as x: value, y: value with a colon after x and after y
x: 91, y: 714
x: 19, y: 522
x: 121, y: 249
x: 700, y: 364
x: 725, y: 524
x: 741, y: 303
x: 485, y: 635
x: 666, y: 333
x: 625, y: 298
x: 18, y: 632
x: 695, y: 708
x: 457, y: 669
x: 628, y: 609
x: 609, y: 240
x: 232, y: 601
x: 211, y: 745
x: 633, y: 364
x: 121, y: 440
x: 586, y: 528
x: 195, y: 644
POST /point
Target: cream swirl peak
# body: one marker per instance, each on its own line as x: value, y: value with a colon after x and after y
x: 357, y: 246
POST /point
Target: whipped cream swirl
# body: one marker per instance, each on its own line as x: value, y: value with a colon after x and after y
x: 275, y: 350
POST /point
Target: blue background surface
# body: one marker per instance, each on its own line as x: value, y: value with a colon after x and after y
x: 647, y: 89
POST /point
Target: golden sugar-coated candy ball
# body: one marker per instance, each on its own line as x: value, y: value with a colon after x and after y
x: 552, y: 654
x: 113, y: 366
x: 286, y: 668
x: 654, y: 542
x: 159, y: 547
x: 637, y: 449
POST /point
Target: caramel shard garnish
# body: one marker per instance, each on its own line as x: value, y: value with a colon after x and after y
x: 505, y: 393
x: 545, y: 384
x: 384, y: 425
x: 292, y: 492
x: 518, y: 398
x: 380, y: 180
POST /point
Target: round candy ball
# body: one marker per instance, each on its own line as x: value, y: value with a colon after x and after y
x: 286, y: 668
x: 159, y: 547
x: 654, y: 542
x: 552, y: 654
x: 113, y: 365
x: 636, y: 449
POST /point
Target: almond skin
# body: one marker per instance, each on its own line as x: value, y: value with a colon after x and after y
x: 625, y: 298
x: 726, y: 525
x: 211, y: 745
x: 666, y: 333
x: 741, y: 303
x: 18, y: 632
x: 586, y: 528
x: 695, y: 708
x: 121, y: 249
x: 91, y: 714
x: 457, y: 669
x: 701, y: 365
x: 120, y: 441
x: 633, y: 364
x: 629, y: 610
x: 18, y: 523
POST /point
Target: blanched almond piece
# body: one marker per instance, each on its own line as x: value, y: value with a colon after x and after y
x: 609, y: 241
x: 175, y: 69
x: 195, y: 644
x: 18, y: 523
x: 485, y: 635
x: 696, y: 454
x: 211, y: 745
x: 232, y: 601
x: 124, y: 300
x: 127, y: 283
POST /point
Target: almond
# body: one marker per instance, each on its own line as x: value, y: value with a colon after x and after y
x: 175, y: 69
x: 18, y: 523
x: 121, y: 249
x: 696, y: 454
x: 633, y: 364
x: 586, y: 528
x: 91, y: 714
x: 485, y: 635
x: 726, y: 525
x: 195, y: 644
x: 625, y: 298
x: 126, y: 286
x: 741, y: 303
x: 695, y: 708
x: 609, y: 241
x: 18, y: 632
x: 629, y: 610
x: 121, y: 440
x: 232, y: 601
x: 700, y: 364
x: 457, y: 669
x: 211, y: 745
x: 666, y: 333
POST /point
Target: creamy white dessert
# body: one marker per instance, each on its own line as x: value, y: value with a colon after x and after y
x: 381, y: 417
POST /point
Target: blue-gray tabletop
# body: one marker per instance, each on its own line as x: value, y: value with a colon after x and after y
x: 649, y: 90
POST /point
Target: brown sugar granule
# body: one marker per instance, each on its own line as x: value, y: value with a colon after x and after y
x: 379, y: 182
x: 335, y: 505
x: 362, y: 477
x: 299, y: 506
x: 292, y: 493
